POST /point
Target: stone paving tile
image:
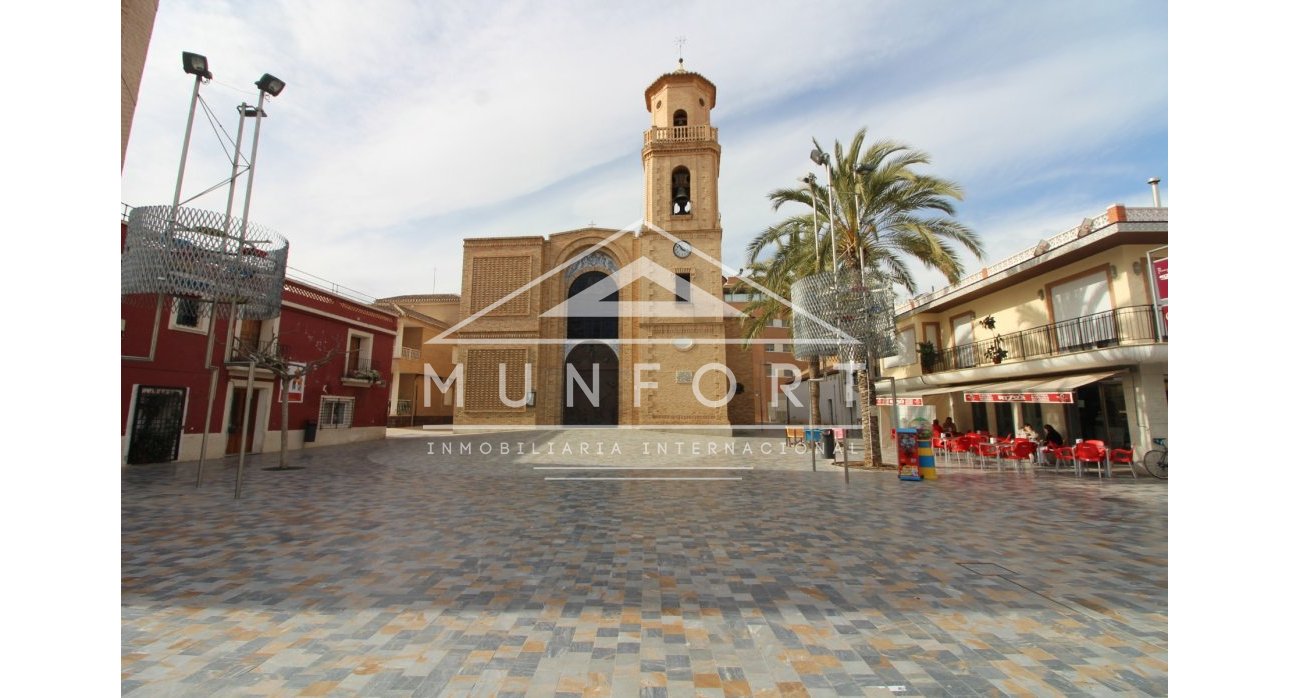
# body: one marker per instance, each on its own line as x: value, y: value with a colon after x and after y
x: 414, y: 566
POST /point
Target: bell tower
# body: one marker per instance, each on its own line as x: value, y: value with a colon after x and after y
x: 681, y: 156
x: 682, y: 160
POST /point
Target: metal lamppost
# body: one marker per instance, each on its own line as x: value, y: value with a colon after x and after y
x: 195, y: 65
x: 861, y: 170
x: 821, y: 158
x: 273, y: 86
x: 243, y: 111
x: 815, y: 216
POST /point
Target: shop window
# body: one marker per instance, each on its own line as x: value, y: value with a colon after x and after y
x: 1003, y: 424
x: 980, y: 418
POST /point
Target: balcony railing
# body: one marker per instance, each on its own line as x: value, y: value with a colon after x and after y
x: 361, y: 370
x: 410, y: 353
x: 1131, y: 325
x: 241, y: 350
x: 663, y: 135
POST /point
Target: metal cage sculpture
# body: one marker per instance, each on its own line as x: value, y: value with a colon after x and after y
x: 204, y: 256
x: 836, y: 315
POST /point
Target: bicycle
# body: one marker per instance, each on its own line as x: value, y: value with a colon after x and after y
x: 1156, y: 461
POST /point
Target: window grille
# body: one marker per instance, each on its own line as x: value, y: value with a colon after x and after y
x: 336, y: 413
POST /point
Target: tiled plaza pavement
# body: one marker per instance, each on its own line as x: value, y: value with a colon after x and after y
x: 379, y: 569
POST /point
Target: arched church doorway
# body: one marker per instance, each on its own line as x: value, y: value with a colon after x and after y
x: 595, y: 363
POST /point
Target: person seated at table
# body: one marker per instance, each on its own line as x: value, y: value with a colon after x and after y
x: 1052, y: 438
x: 1028, y: 433
x: 949, y: 427
x: 936, y: 429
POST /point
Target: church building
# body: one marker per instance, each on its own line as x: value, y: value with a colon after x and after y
x: 608, y: 327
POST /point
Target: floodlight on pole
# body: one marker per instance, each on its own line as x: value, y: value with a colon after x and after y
x: 244, y: 110
x: 195, y: 65
x: 861, y: 170
x: 273, y: 86
x: 821, y: 158
x: 815, y: 216
x: 270, y: 84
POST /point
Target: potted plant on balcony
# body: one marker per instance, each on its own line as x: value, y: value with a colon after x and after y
x: 995, y: 352
x: 987, y: 322
x: 371, y: 375
x: 927, y: 356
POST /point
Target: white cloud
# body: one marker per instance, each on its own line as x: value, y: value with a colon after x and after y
x: 408, y: 126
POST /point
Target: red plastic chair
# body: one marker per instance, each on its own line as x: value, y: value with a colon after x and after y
x: 959, y: 446
x: 1020, y: 451
x: 974, y: 439
x: 1064, y: 454
x: 988, y: 450
x: 1121, y: 456
x: 1090, y: 453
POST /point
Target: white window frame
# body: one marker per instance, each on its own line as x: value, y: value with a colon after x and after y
x: 1073, y: 302
x: 963, y: 331
x: 907, y: 341
x: 203, y: 319
x: 348, y: 412
x: 364, y: 347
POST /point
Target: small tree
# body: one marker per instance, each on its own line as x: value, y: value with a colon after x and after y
x: 273, y: 357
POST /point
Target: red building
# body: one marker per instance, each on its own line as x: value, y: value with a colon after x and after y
x: 166, y: 384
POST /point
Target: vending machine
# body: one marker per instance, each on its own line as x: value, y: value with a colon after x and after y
x: 907, y: 453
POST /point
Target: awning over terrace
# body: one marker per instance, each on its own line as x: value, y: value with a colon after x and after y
x: 1057, y: 389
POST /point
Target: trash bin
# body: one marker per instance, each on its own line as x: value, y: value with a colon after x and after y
x: 830, y: 443
x: 311, y: 431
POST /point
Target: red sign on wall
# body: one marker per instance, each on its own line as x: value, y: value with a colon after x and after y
x: 1020, y: 397
x: 1161, y: 269
x: 295, y: 391
x: 901, y: 401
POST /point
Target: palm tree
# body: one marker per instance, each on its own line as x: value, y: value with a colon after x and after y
x: 880, y: 212
x: 795, y: 255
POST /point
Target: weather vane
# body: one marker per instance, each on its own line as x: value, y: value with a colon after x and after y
x: 680, y: 48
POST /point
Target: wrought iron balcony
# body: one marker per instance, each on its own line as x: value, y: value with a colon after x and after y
x: 1132, y: 325
x: 241, y: 350
x: 361, y: 370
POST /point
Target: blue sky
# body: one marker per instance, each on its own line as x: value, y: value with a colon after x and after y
x: 406, y: 127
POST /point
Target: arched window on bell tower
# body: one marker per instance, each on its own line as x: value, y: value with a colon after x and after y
x: 681, y: 204
x: 679, y: 118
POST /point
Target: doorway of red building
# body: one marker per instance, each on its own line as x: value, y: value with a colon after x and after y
x: 235, y: 435
x: 157, y: 425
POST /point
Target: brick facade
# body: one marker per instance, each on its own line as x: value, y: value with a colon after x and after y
x: 513, y: 287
